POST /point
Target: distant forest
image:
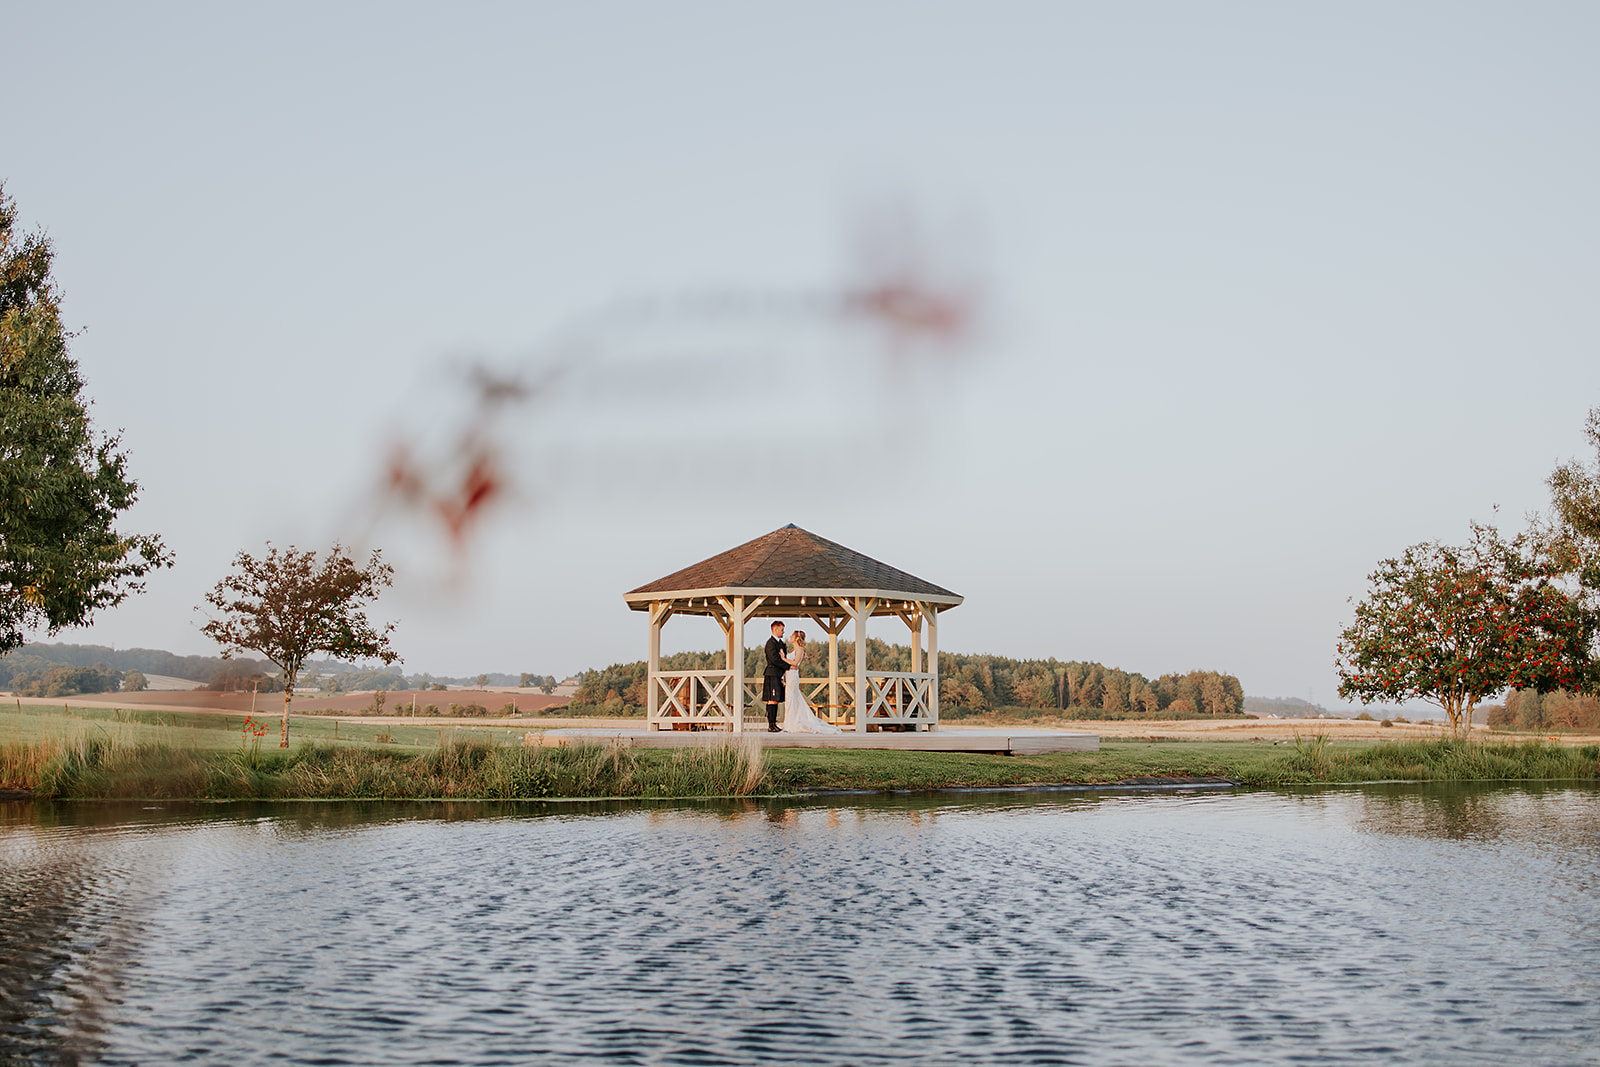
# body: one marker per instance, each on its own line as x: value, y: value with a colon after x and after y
x: 968, y: 685
x: 1528, y: 709
x: 35, y: 660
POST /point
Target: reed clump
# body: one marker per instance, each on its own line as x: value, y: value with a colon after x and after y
x: 98, y: 765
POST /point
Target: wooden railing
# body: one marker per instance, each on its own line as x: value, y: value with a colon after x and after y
x: 693, y: 697
x: 704, y: 698
x: 894, y: 698
x: 900, y: 697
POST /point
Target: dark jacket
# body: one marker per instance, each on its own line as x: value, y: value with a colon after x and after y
x: 775, y: 660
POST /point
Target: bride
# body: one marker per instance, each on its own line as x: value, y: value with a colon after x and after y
x: 798, y: 718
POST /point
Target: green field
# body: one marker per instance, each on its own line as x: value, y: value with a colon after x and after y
x: 99, y: 753
x: 210, y: 731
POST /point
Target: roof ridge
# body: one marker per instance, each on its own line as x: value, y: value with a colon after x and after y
x: 756, y: 566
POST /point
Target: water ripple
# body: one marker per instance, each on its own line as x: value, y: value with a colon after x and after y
x: 1397, y: 924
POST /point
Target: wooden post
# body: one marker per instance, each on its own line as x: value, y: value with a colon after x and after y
x: 833, y: 626
x: 737, y: 645
x: 863, y: 610
x: 833, y: 667
x: 915, y: 623
x: 931, y: 612
x: 658, y: 615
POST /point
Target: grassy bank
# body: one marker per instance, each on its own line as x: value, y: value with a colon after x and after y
x: 122, y: 763
x: 92, y: 767
x: 1308, y: 761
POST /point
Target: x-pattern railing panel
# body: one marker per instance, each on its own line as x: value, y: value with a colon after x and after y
x: 697, y: 696
x: 899, y: 696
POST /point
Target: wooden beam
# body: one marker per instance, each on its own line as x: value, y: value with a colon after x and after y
x: 860, y: 611
x: 657, y: 617
x: 738, y: 616
x: 913, y: 623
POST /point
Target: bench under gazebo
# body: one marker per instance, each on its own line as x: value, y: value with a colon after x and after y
x: 793, y: 574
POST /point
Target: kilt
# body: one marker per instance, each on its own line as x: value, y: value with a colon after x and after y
x: 772, y: 688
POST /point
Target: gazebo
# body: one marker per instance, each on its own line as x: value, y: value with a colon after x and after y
x: 794, y: 574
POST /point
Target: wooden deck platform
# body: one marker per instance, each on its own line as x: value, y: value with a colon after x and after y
x: 998, y: 741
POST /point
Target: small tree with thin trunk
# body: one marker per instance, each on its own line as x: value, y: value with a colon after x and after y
x: 288, y: 607
x: 1453, y: 625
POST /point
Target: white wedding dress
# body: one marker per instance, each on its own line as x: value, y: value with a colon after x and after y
x: 798, y: 718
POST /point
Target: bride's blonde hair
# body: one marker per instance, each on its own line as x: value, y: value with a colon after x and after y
x: 800, y: 638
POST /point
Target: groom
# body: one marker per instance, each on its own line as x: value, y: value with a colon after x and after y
x: 772, y: 680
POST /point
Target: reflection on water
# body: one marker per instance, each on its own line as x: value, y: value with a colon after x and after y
x: 1393, y: 923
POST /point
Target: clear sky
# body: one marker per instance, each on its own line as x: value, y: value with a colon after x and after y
x: 1269, y: 292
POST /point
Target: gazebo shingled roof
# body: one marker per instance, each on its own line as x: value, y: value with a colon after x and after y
x: 790, y: 562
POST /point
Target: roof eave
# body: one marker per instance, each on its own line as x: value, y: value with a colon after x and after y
x: 640, y: 600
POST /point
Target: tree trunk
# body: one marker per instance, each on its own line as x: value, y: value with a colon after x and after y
x: 288, y: 695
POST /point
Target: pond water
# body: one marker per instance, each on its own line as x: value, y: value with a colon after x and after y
x: 1376, y: 924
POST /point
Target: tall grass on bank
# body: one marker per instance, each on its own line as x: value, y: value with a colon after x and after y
x: 90, y: 767
x: 1445, y: 759
x: 107, y: 765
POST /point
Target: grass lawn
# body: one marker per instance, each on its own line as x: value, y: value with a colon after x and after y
x: 811, y: 768
x: 212, y: 732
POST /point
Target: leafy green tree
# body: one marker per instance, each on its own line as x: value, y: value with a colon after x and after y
x: 1574, y: 537
x: 1114, y: 691
x: 134, y: 681
x: 288, y: 607
x: 1575, y: 489
x: 1075, y: 674
x: 61, y: 485
x: 1453, y: 625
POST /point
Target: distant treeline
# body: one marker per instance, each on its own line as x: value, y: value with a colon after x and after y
x: 32, y: 669
x: 968, y: 685
x: 344, y: 678
x: 1528, y: 709
x: 36, y: 660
